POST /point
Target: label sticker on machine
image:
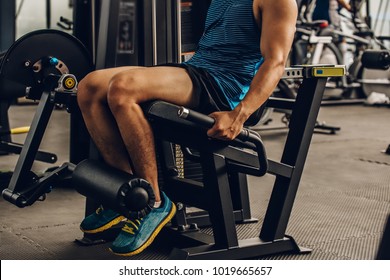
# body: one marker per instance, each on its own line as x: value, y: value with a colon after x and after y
x: 336, y: 71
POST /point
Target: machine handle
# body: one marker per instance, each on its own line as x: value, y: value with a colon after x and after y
x: 245, y: 135
x: 154, y: 31
x: 178, y: 30
x: 206, y: 121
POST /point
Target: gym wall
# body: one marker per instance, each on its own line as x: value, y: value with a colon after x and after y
x: 32, y: 14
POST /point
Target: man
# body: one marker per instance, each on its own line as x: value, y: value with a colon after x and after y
x: 329, y: 10
x: 224, y: 77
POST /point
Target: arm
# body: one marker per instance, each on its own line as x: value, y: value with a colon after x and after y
x: 277, y: 34
x: 344, y: 4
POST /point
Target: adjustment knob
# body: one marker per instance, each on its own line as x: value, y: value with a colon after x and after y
x: 53, y: 61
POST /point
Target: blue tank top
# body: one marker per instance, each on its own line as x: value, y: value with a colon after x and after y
x: 230, y: 47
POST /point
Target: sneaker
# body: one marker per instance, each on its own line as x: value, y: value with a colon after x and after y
x: 138, y: 234
x: 101, y: 220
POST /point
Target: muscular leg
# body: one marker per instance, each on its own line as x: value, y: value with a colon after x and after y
x: 92, y: 100
x: 123, y: 121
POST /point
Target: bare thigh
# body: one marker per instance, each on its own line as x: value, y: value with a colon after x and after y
x: 97, y: 82
x: 171, y: 84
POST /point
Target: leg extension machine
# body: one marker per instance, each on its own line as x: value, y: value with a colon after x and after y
x: 221, y: 161
x: 222, y: 194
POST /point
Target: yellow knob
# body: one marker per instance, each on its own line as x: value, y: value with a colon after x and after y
x: 69, y: 83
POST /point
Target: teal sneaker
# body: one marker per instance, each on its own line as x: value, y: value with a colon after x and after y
x: 100, y: 221
x: 138, y: 234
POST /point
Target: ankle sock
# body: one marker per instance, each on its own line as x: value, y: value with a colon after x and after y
x: 157, y: 204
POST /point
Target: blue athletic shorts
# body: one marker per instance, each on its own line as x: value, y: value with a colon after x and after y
x: 211, y: 98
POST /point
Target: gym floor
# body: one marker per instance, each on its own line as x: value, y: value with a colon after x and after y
x: 340, y: 211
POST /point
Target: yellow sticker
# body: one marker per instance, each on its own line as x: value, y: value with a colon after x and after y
x: 328, y: 71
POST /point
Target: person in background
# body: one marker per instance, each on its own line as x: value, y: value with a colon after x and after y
x: 329, y: 10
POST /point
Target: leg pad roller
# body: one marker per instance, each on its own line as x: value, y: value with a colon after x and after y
x: 115, y: 189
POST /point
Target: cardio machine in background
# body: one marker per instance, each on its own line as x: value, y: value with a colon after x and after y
x: 318, y: 43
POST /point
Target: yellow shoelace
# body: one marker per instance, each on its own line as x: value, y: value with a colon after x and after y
x: 130, y: 226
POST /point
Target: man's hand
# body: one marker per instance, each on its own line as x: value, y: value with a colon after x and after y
x: 227, y: 125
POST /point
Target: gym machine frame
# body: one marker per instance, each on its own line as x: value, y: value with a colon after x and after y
x: 45, y: 75
x: 222, y: 161
x: 224, y: 166
x: 42, y: 65
x: 17, y: 192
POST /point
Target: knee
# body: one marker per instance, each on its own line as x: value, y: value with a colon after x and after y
x: 89, y: 91
x: 125, y: 91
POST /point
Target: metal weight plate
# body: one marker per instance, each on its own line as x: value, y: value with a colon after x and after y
x: 38, y: 54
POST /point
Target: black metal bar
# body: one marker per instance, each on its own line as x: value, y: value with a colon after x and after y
x: 280, y: 169
x: 32, y: 142
x: 146, y: 17
x: 240, y: 196
x: 202, y: 218
x: 48, y: 14
x: 180, y: 219
x: 83, y: 24
x: 39, y: 188
x: 218, y: 195
x: 167, y: 159
x: 187, y: 191
x: 16, y: 148
x: 101, y: 49
x: 248, y: 248
x: 368, y: 14
x: 280, y: 103
x: 303, y: 120
x: 79, y: 140
x: 7, y: 23
x: 384, y: 246
x: 162, y: 30
x: 4, y: 121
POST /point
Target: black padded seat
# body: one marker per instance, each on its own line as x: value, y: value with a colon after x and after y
x: 164, y: 118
